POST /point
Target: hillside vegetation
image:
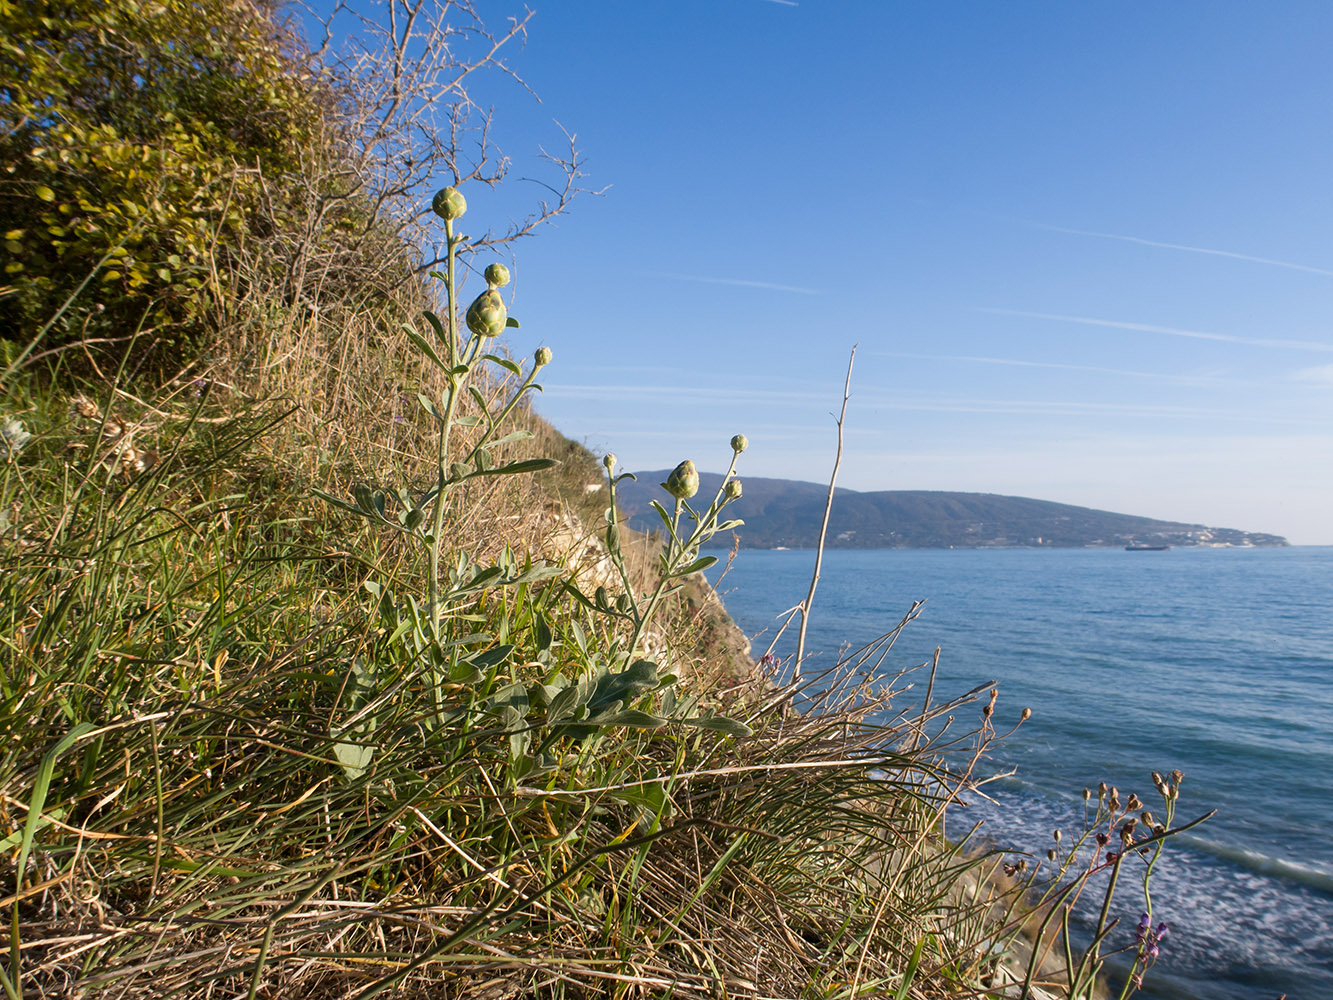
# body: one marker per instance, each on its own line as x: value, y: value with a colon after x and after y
x: 785, y: 512
x: 322, y: 674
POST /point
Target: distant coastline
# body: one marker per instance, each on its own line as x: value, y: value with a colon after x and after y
x: 786, y: 514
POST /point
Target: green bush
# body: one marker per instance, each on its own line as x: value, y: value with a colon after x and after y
x: 135, y: 137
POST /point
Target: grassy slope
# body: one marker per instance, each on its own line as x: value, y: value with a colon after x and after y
x: 224, y: 773
x: 188, y: 660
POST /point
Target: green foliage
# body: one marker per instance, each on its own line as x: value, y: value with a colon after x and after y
x: 135, y: 136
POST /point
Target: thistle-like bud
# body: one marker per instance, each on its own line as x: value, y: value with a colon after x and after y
x: 609, y: 460
x: 683, y: 482
x: 542, y: 356
x: 733, y: 490
x: 739, y: 443
x: 449, y: 204
x: 497, y: 275
x: 486, y: 317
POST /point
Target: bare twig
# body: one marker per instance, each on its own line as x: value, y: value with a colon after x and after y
x: 823, y: 528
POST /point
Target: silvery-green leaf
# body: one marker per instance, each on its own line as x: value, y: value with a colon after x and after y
x: 694, y: 567
x: 414, y: 517
x: 512, y: 322
x: 504, y: 363
x: 354, y: 758
x: 331, y: 499
x: 429, y: 405
x: 425, y: 347
x: 720, y: 724
x: 630, y: 717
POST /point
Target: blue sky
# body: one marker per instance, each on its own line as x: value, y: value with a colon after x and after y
x: 1084, y: 248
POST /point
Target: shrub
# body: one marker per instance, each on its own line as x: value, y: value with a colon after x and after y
x: 136, y: 136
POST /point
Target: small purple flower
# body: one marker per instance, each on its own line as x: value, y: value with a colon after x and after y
x: 1145, y: 922
x: 768, y: 661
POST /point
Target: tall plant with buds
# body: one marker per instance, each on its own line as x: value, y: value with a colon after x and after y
x: 460, y: 358
x: 687, y: 530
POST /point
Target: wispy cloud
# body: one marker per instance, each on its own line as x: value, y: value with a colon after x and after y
x: 1299, y: 345
x: 676, y: 393
x: 1079, y: 408
x: 785, y: 3
x: 1321, y: 374
x: 1189, y: 249
x: 738, y: 282
x: 1015, y: 362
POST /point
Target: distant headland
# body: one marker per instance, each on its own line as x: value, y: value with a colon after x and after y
x: 785, y: 513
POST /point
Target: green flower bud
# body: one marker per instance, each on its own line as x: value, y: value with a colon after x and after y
x: 609, y: 460
x: 683, y: 482
x: 734, y: 489
x: 487, y: 315
x: 739, y: 443
x: 449, y: 204
x: 497, y: 275
x: 542, y: 356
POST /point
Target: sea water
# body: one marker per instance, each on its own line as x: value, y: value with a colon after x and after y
x: 1218, y: 662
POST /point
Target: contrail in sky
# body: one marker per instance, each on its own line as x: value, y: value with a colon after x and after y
x: 1300, y: 345
x: 786, y: 3
x: 1054, y: 364
x: 734, y: 281
x: 1180, y: 246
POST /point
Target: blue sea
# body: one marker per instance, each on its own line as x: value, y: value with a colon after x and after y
x: 1218, y: 662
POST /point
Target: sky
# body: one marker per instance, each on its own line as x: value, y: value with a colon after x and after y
x: 1083, y: 250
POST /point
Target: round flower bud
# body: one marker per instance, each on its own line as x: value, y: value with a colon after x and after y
x: 609, y: 460
x: 739, y: 443
x: 449, y: 204
x: 497, y: 275
x: 487, y: 315
x: 542, y: 356
x: 683, y: 482
x: 733, y: 490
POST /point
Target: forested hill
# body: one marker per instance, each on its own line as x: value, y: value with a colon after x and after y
x: 783, y: 512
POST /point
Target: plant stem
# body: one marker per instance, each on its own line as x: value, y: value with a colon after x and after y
x: 446, y: 424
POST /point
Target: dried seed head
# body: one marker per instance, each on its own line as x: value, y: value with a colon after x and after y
x: 486, y: 317
x: 1177, y: 776
x: 497, y: 275
x: 449, y: 204
x: 734, y: 490
x: 1133, y: 802
x: 1101, y: 789
x: 1086, y: 795
x: 739, y: 443
x: 1157, y: 781
x: 82, y: 406
x: 1103, y: 839
x: 683, y: 482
